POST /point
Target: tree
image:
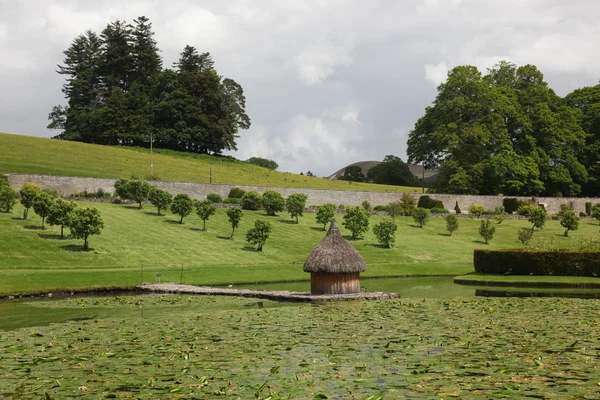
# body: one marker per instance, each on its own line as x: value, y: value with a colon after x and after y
x: 353, y: 173
x: 263, y: 162
x: 84, y: 222
x: 138, y: 191
x: 569, y: 220
x: 367, y: 206
x: 28, y: 193
x: 205, y: 209
x: 122, y: 188
x: 421, y: 216
x: 356, y: 220
x: 394, y: 209
x: 259, y: 234
x: 596, y: 211
x: 295, y: 204
x: 407, y: 203
x: 476, y: 210
x: 161, y: 199
x: 486, y: 230
x: 235, y: 216
x: 42, y: 204
x: 182, y: 205
x: 325, y: 214
x: 392, y: 171
x: 273, y: 202
x: 451, y: 223
x: 537, y: 216
x: 8, y: 197
x: 60, y: 213
x: 525, y: 235
x: 251, y: 200
x: 385, y: 232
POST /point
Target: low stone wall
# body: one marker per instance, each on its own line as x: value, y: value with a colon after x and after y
x: 69, y: 185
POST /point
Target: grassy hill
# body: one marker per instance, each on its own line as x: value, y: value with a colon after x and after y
x: 136, y: 245
x: 34, y: 155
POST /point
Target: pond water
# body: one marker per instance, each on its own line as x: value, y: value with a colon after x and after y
x: 39, y: 312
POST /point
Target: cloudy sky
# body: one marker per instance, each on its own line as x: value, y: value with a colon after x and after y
x: 327, y: 82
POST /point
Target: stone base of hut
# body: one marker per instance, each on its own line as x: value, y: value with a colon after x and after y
x: 334, y: 283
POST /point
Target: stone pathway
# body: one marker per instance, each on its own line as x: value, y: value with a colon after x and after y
x: 263, y: 294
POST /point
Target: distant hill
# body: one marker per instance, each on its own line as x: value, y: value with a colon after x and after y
x: 417, y: 170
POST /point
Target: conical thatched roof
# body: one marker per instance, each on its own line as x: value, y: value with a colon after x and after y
x: 334, y: 254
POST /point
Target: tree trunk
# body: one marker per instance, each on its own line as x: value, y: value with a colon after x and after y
x: 566, y: 233
x: 25, y: 213
x: 140, y: 205
x: 85, y: 242
x: 232, y: 231
x: 43, y: 220
x: 181, y: 220
x: 259, y: 247
x: 296, y: 219
x: 158, y: 212
x: 204, y: 226
x: 62, y: 227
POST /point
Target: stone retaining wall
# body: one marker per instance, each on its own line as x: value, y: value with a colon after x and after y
x: 69, y: 185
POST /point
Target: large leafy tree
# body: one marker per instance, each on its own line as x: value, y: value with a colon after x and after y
x: 84, y: 222
x: 60, y: 213
x: 392, y: 171
x: 505, y: 132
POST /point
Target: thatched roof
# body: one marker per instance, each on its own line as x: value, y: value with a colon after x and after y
x: 334, y: 254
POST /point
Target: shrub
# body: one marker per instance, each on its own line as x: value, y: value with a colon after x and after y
x: 205, y: 209
x: 324, y: 214
x: 160, y: 199
x: 8, y: 197
x: 499, y: 218
x: 138, y: 191
x: 341, y: 207
x: 596, y: 211
x: 407, y: 204
x: 42, y: 204
x: 537, y: 262
x: 439, y: 210
x: 182, y: 205
x: 526, y: 208
x: 121, y: 188
x: 263, y: 162
x: 52, y: 193
x: 427, y: 202
x: 60, y: 213
x: 382, y: 208
x: 421, y: 216
x: 28, y: 193
x: 569, y: 221
x: 273, y: 202
x: 251, y: 200
x: 259, y: 234
x: 525, y: 235
x: 588, y: 208
x: 451, y: 223
x: 295, y: 204
x: 367, y: 206
x: 394, y: 209
x: 356, y: 221
x: 486, y: 230
x: 232, y: 200
x: 84, y: 222
x: 582, y: 214
x: 101, y: 193
x: 214, y: 198
x: 235, y: 216
x: 3, y: 180
x: 457, y: 208
x: 537, y: 217
x: 236, y: 193
x: 511, y: 204
x: 476, y: 210
x: 385, y: 232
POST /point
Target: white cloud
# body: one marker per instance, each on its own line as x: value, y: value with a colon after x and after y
x: 316, y: 63
x: 436, y: 74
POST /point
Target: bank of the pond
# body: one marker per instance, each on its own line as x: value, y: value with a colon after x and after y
x: 529, y: 281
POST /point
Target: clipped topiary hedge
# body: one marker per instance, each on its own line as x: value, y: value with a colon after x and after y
x: 511, y: 204
x: 427, y: 202
x: 537, y: 262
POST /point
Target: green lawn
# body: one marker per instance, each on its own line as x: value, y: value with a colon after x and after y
x: 136, y: 245
x: 34, y: 155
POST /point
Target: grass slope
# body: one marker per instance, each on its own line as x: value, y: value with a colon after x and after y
x: 34, y: 155
x: 35, y: 260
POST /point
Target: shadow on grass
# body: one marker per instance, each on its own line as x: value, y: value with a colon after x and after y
x: 170, y: 221
x: 314, y: 228
x: 444, y: 234
x: 17, y: 219
x: 76, y: 248
x: 154, y: 214
x: 288, y: 221
x: 132, y: 206
x: 34, y: 227
x: 224, y: 237
x: 415, y: 226
x: 250, y: 249
x: 377, y: 246
x: 480, y: 242
x: 50, y: 236
x: 351, y: 239
x: 198, y: 229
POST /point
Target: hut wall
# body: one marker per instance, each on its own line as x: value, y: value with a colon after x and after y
x: 334, y: 283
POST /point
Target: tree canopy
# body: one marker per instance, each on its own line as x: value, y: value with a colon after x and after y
x: 392, y: 171
x: 118, y: 93
x: 504, y: 132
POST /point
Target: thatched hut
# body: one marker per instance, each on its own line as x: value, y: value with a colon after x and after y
x: 334, y: 265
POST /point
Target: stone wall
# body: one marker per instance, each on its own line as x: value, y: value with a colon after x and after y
x: 69, y: 185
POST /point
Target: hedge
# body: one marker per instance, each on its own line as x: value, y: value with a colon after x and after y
x: 537, y: 262
x: 427, y: 202
x: 511, y: 204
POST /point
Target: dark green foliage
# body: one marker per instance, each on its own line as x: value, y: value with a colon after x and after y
x: 596, y: 211
x: 273, y: 202
x: 121, y: 188
x: 356, y: 220
x: 236, y: 193
x: 486, y: 230
x: 385, y: 232
x: 98, y: 194
x: 161, y: 199
x: 138, y: 191
x: 235, y: 216
x: 324, y: 214
x: 42, y: 204
x: 214, y: 198
x: 421, y: 216
x: 295, y: 204
x: 259, y: 234
x: 427, y: 202
x: 525, y: 209
x: 263, y: 162
x: 60, y: 213
x: 525, y: 235
x: 537, y: 262
x: 451, y: 223
x: 407, y: 204
x: 392, y: 171
x: 251, y: 200
x: 537, y: 217
x: 28, y: 193
x: 8, y: 197
x: 353, y: 173
x: 231, y: 200
x: 569, y: 221
x: 3, y: 180
x: 84, y: 222
x: 511, y: 204
x: 439, y: 210
x: 205, y: 209
x: 367, y: 206
x: 476, y: 210
x: 382, y: 208
x: 182, y: 205
x: 457, y: 208
x: 588, y: 208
